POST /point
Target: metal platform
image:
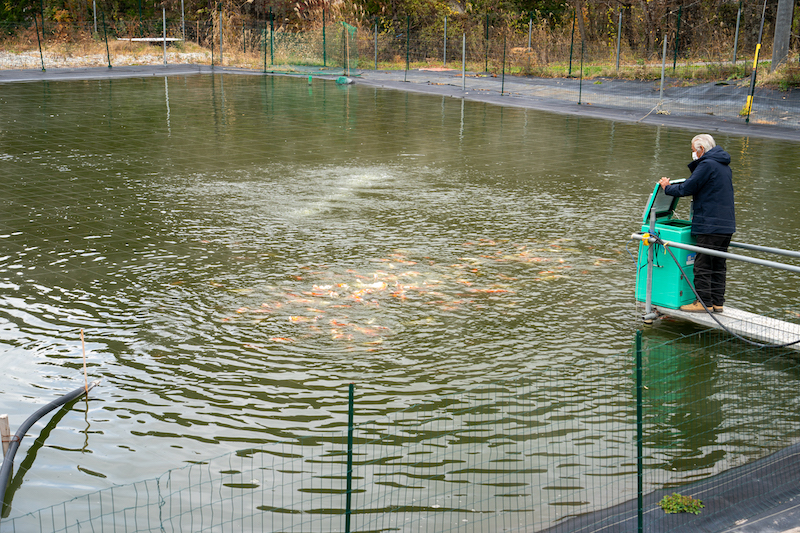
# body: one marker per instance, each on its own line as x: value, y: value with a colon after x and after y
x: 756, y: 327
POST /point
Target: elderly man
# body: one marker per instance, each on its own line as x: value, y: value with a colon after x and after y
x: 713, y: 221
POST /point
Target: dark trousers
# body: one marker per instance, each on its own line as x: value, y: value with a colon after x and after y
x: 709, y: 270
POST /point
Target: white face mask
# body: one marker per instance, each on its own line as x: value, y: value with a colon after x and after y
x: 694, y: 156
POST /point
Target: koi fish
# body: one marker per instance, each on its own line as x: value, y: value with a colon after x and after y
x: 281, y: 339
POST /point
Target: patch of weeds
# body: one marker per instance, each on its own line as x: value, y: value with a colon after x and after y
x: 677, y: 503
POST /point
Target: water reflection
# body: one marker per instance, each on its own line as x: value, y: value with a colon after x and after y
x: 230, y: 284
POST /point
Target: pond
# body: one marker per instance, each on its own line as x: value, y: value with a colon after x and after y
x: 237, y: 249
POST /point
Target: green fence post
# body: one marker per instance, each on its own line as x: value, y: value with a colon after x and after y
x: 486, y: 45
x: 244, y: 41
x: 444, y: 53
x: 639, y: 437
x: 220, y: 35
x: 572, y: 42
x: 350, y: 412
x: 580, y: 82
x: 264, y: 44
x: 36, y: 24
x: 105, y: 36
x: 376, y: 43
x: 736, y: 35
x: 677, y: 37
x: 271, y: 38
x: 503, y: 77
x: 408, y: 43
x: 324, y: 52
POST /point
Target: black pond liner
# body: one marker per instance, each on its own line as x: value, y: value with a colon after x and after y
x: 762, y: 496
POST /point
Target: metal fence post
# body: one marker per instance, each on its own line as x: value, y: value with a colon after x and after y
x: 350, y: 413
x: 639, y: 436
x: 376, y: 43
x: 164, y: 31
x: 35, y: 23
x: 445, y: 42
x: 736, y: 36
x: 677, y: 39
x: 463, y: 61
x: 220, y: 35
x: 271, y: 38
x: 530, y: 29
x: 486, y: 41
x: 580, y: 82
x: 663, y: 65
x: 264, y: 44
x: 324, y: 51
x: 572, y: 42
x: 408, y: 44
x: 105, y: 37
x: 619, y: 35
x: 94, y: 14
x: 503, y: 78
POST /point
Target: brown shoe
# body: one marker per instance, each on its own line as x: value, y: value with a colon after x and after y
x: 696, y: 307
x: 718, y: 309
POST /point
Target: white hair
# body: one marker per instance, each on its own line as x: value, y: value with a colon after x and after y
x: 705, y: 141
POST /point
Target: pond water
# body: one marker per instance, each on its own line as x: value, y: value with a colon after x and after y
x: 237, y: 249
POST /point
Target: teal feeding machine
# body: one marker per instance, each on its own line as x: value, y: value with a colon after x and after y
x: 668, y: 286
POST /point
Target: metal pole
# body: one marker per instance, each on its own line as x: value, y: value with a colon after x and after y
x: 408, y: 43
x: 530, y: 30
x: 271, y: 38
x: 105, y: 37
x: 183, y: 23
x: 677, y: 38
x: 580, y: 82
x: 463, y: 61
x: 350, y: 413
x: 324, y: 52
x: 639, y: 436
x: 749, y: 104
x: 264, y: 43
x: 767, y: 249
x: 376, y: 43
x: 486, y: 40
x: 35, y: 23
x: 726, y: 255
x: 41, y: 6
x: 503, y: 78
x: 663, y: 66
x: 619, y: 35
x: 220, y: 35
x: 164, y: 28
x: 444, y: 54
x: 94, y: 12
x: 648, y: 300
x: 736, y: 37
x: 571, y: 43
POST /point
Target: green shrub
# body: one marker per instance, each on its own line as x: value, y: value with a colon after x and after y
x: 677, y: 503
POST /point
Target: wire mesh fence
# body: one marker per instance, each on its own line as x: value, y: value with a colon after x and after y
x: 525, y: 454
x: 691, y: 65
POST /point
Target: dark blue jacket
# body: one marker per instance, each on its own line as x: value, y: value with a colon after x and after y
x: 711, y: 185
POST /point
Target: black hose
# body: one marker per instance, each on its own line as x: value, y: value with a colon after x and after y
x: 8, y: 460
x: 656, y: 239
